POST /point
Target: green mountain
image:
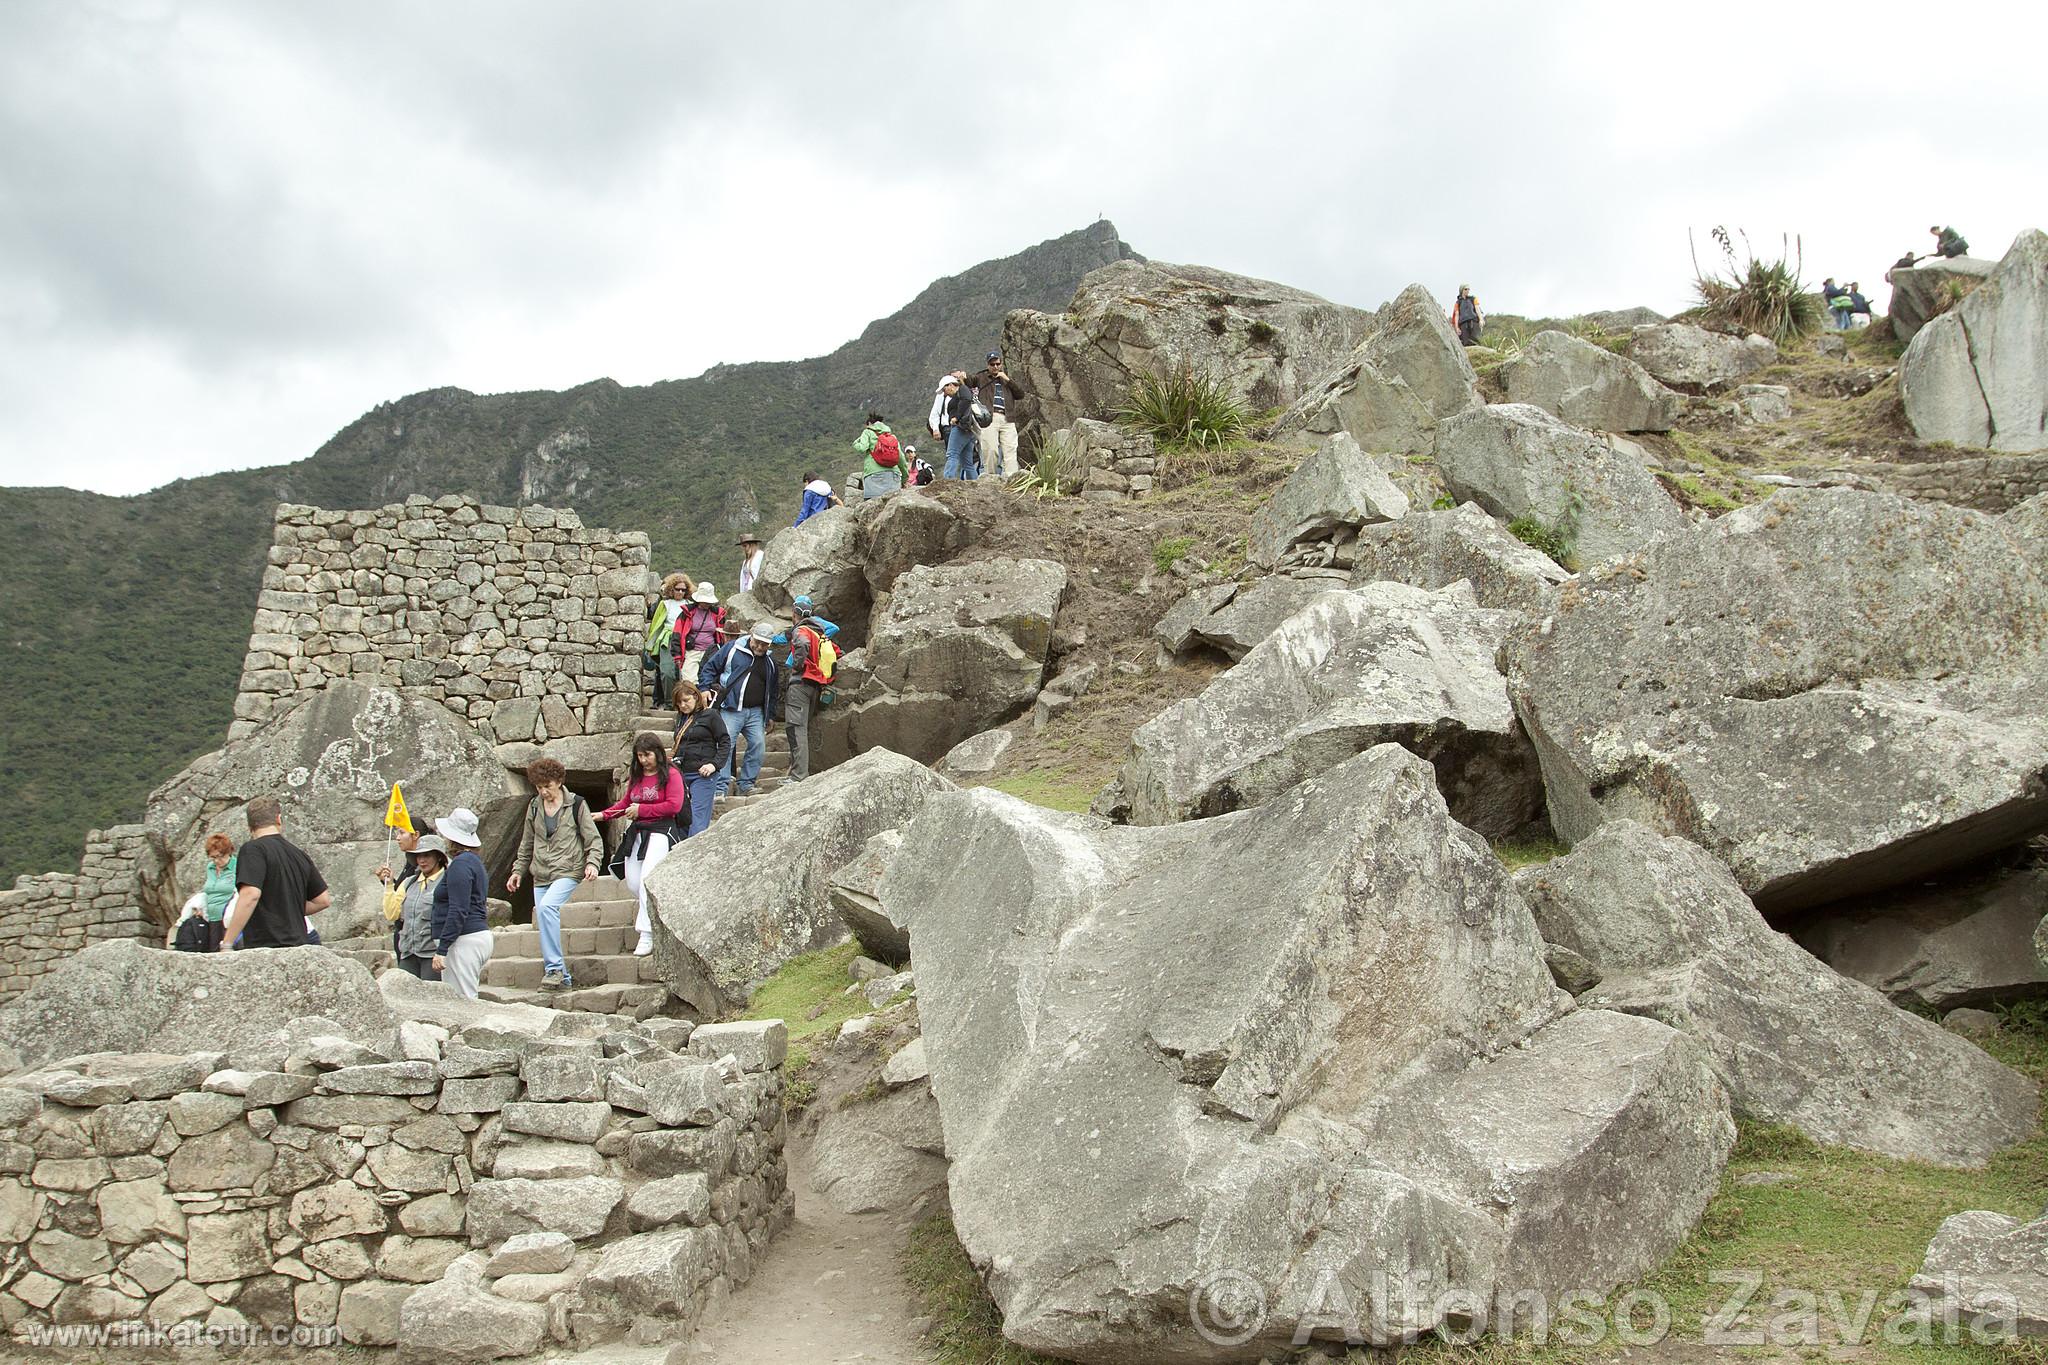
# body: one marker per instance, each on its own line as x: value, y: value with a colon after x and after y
x: 122, y: 620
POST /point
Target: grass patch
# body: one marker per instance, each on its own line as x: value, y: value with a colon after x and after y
x: 1555, y: 541
x: 1171, y: 551
x: 966, y: 1329
x: 1693, y: 493
x: 1523, y: 852
x: 809, y: 993
x: 1053, y: 790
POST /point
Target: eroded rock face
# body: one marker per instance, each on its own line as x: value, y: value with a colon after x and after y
x: 1515, y: 460
x: 1330, y: 495
x: 1265, y: 341
x: 1961, y: 941
x: 1674, y: 939
x: 1978, y: 374
x: 731, y: 905
x: 1589, y: 386
x: 332, y: 760
x: 1926, y: 290
x: 1438, y: 548
x: 1833, y: 692
x: 1692, y: 357
x: 124, y: 996
x: 1281, y: 1042
x: 825, y: 559
x: 1353, y: 669
x: 1406, y: 377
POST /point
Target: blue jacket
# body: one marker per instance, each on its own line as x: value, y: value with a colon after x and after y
x: 726, y: 667
x: 459, y: 900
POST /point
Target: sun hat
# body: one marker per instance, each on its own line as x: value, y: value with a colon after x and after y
x: 748, y: 538
x: 948, y: 378
x: 763, y: 632
x: 458, y: 826
x: 706, y: 595
x: 432, y: 843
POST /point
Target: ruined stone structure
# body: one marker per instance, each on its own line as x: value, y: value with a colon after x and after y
x: 523, y: 620
x: 47, y: 918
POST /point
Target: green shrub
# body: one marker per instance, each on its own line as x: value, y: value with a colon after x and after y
x: 1171, y: 551
x: 1057, y: 472
x: 1757, y: 295
x: 1186, y: 409
x: 1559, y: 541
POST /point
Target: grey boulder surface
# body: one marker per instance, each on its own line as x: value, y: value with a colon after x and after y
x: 1396, y: 387
x: 880, y: 1155
x: 1233, y: 617
x: 1989, y: 1267
x: 855, y: 893
x: 1674, y: 939
x: 1832, y: 691
x: 1517, y: 461
x: 1312, y: 1039
x: 1589, y: 386
x: 731, y: 905
x: 1437, y: 548
x: 125, y: 996
x: 1329, y: 495
x: 1962, y: 941
x: 1353, y: 669
x: 824, y: 559
x: 1692, y: 357
x: 1924, y: 291
x: 1978, y: 374
x: 1263, y: 341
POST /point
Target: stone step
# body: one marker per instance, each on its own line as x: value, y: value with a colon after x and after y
x: 642, y: 1001
x: 606, y: 914
x: 602, y: 889
x: 524, y: 973
x: 521, y: 941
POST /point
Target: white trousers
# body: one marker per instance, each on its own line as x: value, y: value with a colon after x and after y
x: 466, y: 958
x: 999, y: 448
x: 638, y: 869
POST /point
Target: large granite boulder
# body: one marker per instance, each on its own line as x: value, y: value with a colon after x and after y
x: 826, y: 560
x: 1438, y: 548
x: 731, y: 905
x: 1978, y: 374
x: 332, y: 760
x: 1690, y: 357
x: 1517, y: 461
x: 1329, y: 496
x: 904, y: 530
x: 880, y: 1154
x: 1988, y: 1271
x: 1589, y: 386
x: 1674, y: 938
x: 962, y: 648
x: 855, y: 892
x: 1930, y: 289
x: 1391, y: 393
x: 123, y: 996
x: 1966, y: 940
x: 1265, y: 341
x: 1307, y: 1045
x: 1833, y: 692
x: 1353, y: 669
x: 1232, y: 617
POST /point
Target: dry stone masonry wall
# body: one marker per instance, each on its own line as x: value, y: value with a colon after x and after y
x: 479, y: 1194
x: 47, y: 918
x: 1989, y: 483
x: 521, y: 619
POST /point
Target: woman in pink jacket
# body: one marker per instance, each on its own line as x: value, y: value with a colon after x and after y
x: 654, y: 795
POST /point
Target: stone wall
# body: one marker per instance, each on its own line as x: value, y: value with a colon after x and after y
x: 521, y: 619
x: 46, y: 918
x: 483, y: 1194
x: 1989, y: 483
x: 1116, y: 464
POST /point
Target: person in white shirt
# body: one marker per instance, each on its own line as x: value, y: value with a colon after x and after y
x: 750, y: 560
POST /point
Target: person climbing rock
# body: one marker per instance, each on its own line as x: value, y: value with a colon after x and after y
x: 276, y: 885
x: 559, y: 846
x: 1949, y: 243
x: 1466, y: 317
x: 998, y: 392
x: 812, y: 660
x: 462, y: 923
x: 653, y: 799
x: 817, y: 496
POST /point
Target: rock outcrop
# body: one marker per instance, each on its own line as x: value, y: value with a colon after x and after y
x: 856, y: 894
x: 1833, y: 692
x: 1927, y: 290
x: 1963, y: 941
x: 826, y: 560
x: 734, y: 903
x: 1978, y: 374
x: 1402, y: 381
x: 1674, y: 938
x: 1265, y: 341
x: 1353, y: 669
x: 1589, y: 386
x: 1328, y: 497
x: 1231, y: 618
x: 1516, y: 461
x: 1690, y: 357
x: 1308, y: 1044
x: 1988, y: 1270
x: 1438, y: 548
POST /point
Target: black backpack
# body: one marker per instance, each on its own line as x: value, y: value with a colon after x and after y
x: 192, y: 935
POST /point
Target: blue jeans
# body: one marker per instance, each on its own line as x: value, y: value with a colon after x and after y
x: 547, y: 917
x: 702, y: 792
x: 749, y: 727
x: 961, y: 462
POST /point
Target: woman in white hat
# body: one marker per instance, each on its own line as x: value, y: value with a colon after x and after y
x: 701, y: 630
x: 462, y: 926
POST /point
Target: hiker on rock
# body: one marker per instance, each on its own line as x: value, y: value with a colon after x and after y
x: 664, y: 647
x: 935, y: 422
x: 963, y: 460
x: 812, y: 659
x: 1948, y: 243
x: 1836, y: 300
x: 703, y: 755
x: 750, y: 560
x: 217, y: 892
x: 1859, y: 306
x: 741, y: 680
x: 409, y: 905
x: 818, y: 496
x: 882, y: 471
x: 462, y: 924
x: 700, y: 630
x: 559, y: 846
x: 654, y: 797
x: 276, y: 885
x: 1466, y: 317
x: 995, y: 390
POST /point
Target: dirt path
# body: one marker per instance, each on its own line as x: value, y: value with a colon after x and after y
x: 830, y: 1290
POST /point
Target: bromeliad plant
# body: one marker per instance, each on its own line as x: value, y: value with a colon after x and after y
x: 1757, y: 295
x: 1186, y: 409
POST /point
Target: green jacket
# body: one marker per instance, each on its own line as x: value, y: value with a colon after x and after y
x: 575, y: 844
x: 864, y: 444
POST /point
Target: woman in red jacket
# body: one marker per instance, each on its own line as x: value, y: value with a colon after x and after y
x: 654, y: 794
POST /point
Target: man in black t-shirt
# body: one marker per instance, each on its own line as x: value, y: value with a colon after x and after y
x: 276, y: 885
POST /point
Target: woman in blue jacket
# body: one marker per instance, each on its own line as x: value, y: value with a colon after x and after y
x: 462, y: 927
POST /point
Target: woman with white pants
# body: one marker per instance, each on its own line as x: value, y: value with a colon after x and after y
x: 462, y: 927
x: 654, y: 796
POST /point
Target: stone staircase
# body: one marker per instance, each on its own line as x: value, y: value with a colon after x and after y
x: 774, y: 761
x: 597, y: 940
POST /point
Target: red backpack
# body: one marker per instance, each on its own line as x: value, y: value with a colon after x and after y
x: 886, y: 453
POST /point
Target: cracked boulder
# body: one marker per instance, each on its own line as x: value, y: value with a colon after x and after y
x: 1328, y: 497
x: 1589, y: 386
x: 1673, y: 938
x: 1353, y: 669
x: 1231, y: 618
x: 1833, y: 692
x: 1978, y: 374
x: 1310, y: 1045
x: 1398, y: 385
x: 1690, y: 357
x: 826, y: 560
x: 1927, y: 290
x: 1438, y: 548
x: 1595, y: 492
x: 1989, y: 1271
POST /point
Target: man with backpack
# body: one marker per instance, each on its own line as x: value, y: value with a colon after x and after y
x: 740, y: 676
x: 1948, y: 243
x: 558, y: 846
x: 813, y: 659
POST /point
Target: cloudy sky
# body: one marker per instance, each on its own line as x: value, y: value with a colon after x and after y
x: 226, y: 229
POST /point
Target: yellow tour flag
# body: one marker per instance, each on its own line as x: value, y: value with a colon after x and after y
x: 395, y: 815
